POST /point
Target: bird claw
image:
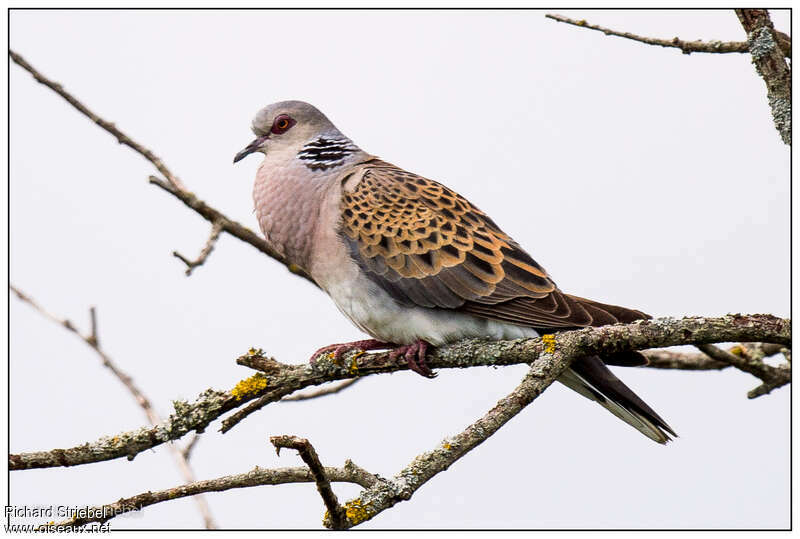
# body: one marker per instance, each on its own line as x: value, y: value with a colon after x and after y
x: 335, y: 352
x: 414, y: 354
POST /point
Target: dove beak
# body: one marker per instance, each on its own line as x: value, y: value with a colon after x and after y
x: 252, y: 147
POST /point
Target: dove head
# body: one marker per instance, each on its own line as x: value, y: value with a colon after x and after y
x: 291, y: 130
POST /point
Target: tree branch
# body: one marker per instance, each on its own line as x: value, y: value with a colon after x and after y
x: 310, y: 457
x: 93, y: 340
x: 687, y: 47
x: 255, y: 477
x: 757, y: 369
x: 401, y: 487
x: 772, y: 377
x: 686, y: 361
x: 228, y: 225
x: 216, y: 228
x: 121, y: 137
x: 278, y: 380
x: 746, y: 357
x: 764, y: 46
x: 172, y: 185
x: 189, y: 447
x: 321, y: 392
x: 549, y: 356
x: 777, y: 376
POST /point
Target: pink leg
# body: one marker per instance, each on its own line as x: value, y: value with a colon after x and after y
x: 414, y: 354
x: 340, y: 349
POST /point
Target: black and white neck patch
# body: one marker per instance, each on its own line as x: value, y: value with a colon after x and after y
x: 324, y: 152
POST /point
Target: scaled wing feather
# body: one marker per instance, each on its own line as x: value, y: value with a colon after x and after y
x: 430, y: 247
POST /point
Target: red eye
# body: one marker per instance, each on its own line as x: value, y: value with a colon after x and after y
x: 282, y: 124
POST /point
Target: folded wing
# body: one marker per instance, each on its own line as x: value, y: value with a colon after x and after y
x: 430, y: 247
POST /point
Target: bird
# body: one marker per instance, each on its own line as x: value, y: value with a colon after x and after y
x: 412, y: 263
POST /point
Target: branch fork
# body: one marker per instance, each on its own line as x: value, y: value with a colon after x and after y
x: 216, y: 229
x: 336, y: 513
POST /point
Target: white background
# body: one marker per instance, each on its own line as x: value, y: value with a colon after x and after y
x: 636, y: 175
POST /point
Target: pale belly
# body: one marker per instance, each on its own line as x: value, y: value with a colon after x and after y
x: 376, y: 313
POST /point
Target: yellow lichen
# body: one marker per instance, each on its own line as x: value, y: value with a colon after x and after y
x: 549, y: 343
x: 354, y: 363
x: 356, y: 511
x: 737, y: 351
x: 447, y: 446
x: 255, y: 352
x: 248, y: 386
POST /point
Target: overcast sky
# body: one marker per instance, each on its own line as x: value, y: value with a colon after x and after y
x: 636, y: 175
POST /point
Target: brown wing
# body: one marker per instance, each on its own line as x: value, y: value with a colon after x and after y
x: 428, y: 246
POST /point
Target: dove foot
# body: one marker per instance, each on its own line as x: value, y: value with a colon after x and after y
x: 414, y: 354
x: 341, y: 349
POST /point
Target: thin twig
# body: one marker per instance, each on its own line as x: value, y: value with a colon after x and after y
x: 309, y: 455
x: 189, y: 447
x: 283, y: 379
x: 237, y: 417
x: 228, y: 225
x: 771, y: 377
x: 726, y: 356
x: 93, y: 341
x: 330, y: 390
x: 255, y: 477
x: 216, y: 229
x: 121, y: 137
x: 758, y: 350
x: 687, y: 47
x: 95, y: 337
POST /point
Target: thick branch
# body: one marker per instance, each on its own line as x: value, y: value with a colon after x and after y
x: 255, y: 477
x: 764, y: 45
x: 279, y: 379
x: 687, y: 47
x: 402, y: 486
x: 310, y: 457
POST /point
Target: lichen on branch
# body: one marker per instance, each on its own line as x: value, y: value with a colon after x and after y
x: 286, y: 379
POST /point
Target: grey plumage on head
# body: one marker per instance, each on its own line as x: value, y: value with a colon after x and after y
x: 302, y: 112
x: 295, y: 129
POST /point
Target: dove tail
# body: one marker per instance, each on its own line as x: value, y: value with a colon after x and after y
x: 590, y: 377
